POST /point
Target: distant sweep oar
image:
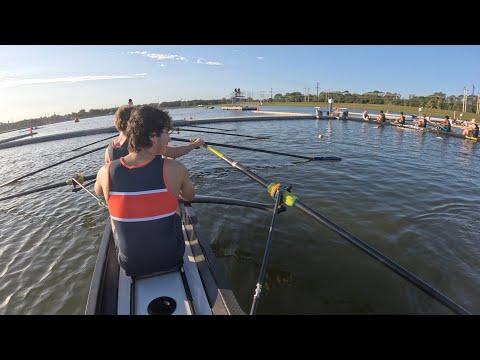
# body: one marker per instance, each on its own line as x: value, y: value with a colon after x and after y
x: 43, y: 188
x: 311, y: 158
x: 95, y: 142
x: 50, y: 166
x: 208, y: 127
x: 216, y: 132
x: 292, y: 200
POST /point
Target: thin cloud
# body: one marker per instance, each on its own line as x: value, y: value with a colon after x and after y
x: 67, y: 79
x: 205, y: 62
x: 159, y: 57
x: 260, y: 57
x: 173, y: 57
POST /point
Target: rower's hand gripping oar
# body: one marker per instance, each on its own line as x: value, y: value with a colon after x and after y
x: 369, y: 250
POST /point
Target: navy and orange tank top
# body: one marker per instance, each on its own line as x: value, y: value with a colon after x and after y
x: 147, y: 229
x: 116, y: 151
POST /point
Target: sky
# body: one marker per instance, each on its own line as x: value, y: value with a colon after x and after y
x: 42, y: 80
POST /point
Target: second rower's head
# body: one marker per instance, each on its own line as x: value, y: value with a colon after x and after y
x: 148, y: 129
x: 121, y: 118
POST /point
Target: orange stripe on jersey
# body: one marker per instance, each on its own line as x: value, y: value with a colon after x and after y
x: 141, y: 205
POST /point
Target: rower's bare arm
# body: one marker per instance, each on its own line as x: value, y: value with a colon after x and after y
x: 177, y: 151
x: 187, y: 190
x: 98, y: 182
x: 106, y: 157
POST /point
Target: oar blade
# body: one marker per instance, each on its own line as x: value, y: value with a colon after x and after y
x: 326, y: 158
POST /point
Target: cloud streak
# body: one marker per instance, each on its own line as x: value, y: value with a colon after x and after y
x: 174, y: 57
x: 67, y: 79
x: 159, y: 57
x: 205, y: 62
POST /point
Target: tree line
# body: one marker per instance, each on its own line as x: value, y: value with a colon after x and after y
x: 437, y: 100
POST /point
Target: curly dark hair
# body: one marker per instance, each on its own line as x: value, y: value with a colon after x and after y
x: 144, y: 122
x: 121, y: 117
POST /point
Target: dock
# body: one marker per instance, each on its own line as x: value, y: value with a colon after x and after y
x: 239, y: 108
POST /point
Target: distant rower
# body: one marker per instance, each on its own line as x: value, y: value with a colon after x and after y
x: 422, y: 121
x: 381, y: 117
x: 446, y: 124
x: 470, y: 129
x: 365, y: 115
x: 400, y: 120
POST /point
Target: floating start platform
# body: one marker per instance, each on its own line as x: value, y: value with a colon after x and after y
x: 239, y: 108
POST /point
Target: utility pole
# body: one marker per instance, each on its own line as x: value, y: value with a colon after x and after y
x: 271, y: 94
x: 464, y: 109
x: 478, y: 103
x: 317, y: 92
x: 308, y: 94
x: 304, y: 95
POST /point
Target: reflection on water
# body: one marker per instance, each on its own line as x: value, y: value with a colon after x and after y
x: 410, y: 195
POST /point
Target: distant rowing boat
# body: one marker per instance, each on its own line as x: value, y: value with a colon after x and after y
x: 435, y: 131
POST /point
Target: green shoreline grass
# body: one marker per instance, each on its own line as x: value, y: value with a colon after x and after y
x: 391, y: 108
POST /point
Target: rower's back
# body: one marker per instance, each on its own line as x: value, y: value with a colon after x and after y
x: 143, y: 213
x: 142, y: 193
x: 119, y: 146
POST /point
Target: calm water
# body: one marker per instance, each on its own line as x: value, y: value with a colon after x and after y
x: 412, y: 196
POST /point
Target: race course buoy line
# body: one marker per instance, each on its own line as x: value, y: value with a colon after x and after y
x: 292, y: 200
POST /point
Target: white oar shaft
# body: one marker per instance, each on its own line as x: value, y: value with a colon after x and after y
x: 84, y: 188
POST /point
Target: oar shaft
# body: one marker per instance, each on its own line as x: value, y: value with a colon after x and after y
x: 208, y: 127
x: 216, y: 132
x: 256, y: 150
x: 266, y: 254
x: 43, y: 188
x: 95, y: 142
x: 399, y: 270
x: 355, y: 241
x: 203, y: 199
x: 83, y: 187
x: 238, y: 166
x: 50, y: 166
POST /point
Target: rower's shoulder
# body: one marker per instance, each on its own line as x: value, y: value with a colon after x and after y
x: 175, y: 165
